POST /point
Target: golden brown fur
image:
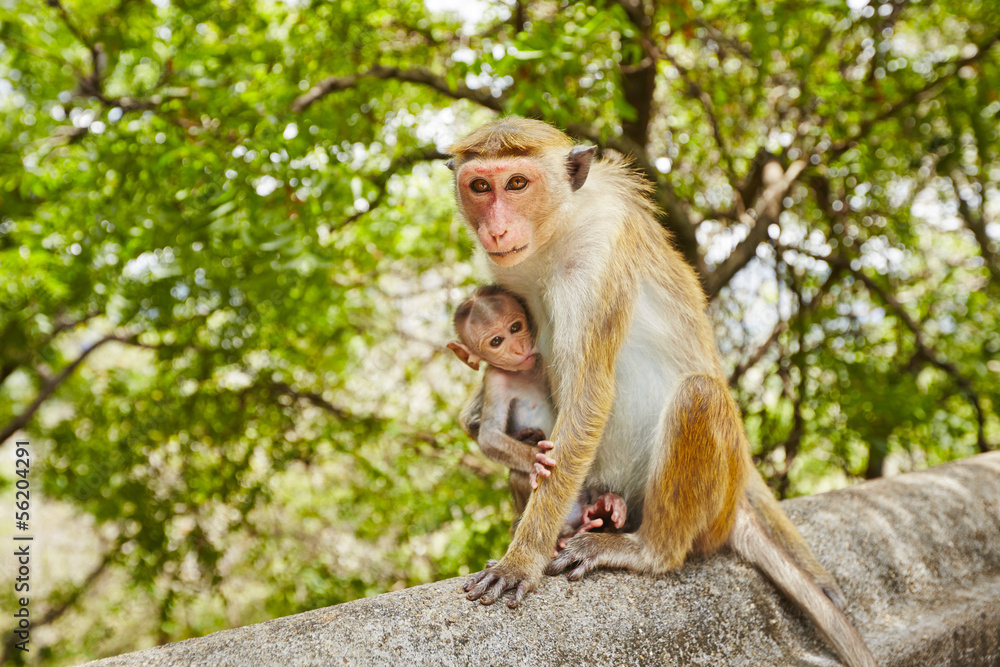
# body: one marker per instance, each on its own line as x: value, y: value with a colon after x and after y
x: 642, y: 408
x: 510, y: 136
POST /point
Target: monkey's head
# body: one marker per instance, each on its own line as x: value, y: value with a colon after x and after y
x: 492, y: 326
x: 512, y: 177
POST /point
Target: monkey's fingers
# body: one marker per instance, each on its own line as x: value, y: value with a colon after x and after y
x: 615, y: 508
x: 491, y: 588
x: 567, y: 559
x: 546, y: 444
x: 539, y: 471
x: 473, y: 580
x: 484, y: 581
x: 589, y: 525
x: 478, y: 576
x: 618, y: 518
x: 563, y: 561
x: 522, y: 588
x: 543, y: 470
x: 610, y: 506
x: 546, y: 461
x: 583, y: 568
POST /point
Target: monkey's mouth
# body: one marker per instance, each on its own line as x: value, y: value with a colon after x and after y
x: 507, y: 252
x: 528, y: 362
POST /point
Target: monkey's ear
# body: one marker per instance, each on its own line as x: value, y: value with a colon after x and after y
x: 465, y: 354
x: 450, y: 164
x: 578, y: 165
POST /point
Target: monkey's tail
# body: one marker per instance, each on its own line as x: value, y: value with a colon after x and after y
x: 751, y: 542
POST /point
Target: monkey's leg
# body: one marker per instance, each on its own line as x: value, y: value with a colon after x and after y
x: 787, y: 535
x: 693, y: 489
x: 520, y: 488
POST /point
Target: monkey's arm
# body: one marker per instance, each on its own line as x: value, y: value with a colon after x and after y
x: 505, y: 450
x: 493, y: 439
x: 470, y: 419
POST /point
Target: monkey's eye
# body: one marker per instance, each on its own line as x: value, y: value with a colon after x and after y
x: 517, y: 183
x: 495, y: 342
x: 479, y: 185
x: 514, y: 328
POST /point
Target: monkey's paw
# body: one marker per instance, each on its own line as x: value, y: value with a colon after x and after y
x: 609, y: 506
x: 498, y: 577
x: 581, y: 554
x: 530, y: 436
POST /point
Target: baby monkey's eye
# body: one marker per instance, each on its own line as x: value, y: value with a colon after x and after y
x: 517, y: 326
x: 496, y: 341
x: 479, y: 185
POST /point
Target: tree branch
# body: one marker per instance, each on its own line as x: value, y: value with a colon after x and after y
x: 696, y: 92
x: 310, y: 397
x: 929, y: 90
x: 927, y: 352
x: 764, y: 214
x: 54, y: 613
x: 49, y: 387
x: 782, y: 327
x: 638, y: 75
x: 381, y: 181
x: 460, y: 91
x: 924, y: 349
x: 977, y: 225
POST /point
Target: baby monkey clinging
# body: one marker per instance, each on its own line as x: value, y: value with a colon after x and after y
x: 513, y: 411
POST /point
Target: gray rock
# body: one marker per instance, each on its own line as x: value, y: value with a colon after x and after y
x: 917, y: 555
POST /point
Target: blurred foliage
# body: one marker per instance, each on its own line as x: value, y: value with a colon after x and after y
x: 228, y: 251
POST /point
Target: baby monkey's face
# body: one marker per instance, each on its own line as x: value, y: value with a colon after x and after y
x: 505, y: 342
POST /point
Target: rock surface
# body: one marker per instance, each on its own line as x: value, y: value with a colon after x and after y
x: 918, y: 557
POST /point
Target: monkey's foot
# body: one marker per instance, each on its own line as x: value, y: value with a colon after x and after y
x: 498, y: 577
x: 588, y: 551
x: 610, y: 507
x: 585, y: 527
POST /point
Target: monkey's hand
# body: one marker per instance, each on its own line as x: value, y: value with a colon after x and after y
x: 607, y: 512
x: 609, y: 506
x: 543, y: 463
x: 529, y: 436
x: 500, y: 577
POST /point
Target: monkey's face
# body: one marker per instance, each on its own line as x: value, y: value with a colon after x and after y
x: 508, y: 204
x: 504, y: 342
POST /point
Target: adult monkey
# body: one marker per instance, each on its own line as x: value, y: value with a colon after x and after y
x: 643, y: 410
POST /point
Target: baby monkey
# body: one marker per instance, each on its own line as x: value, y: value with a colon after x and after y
x: 515, y: 406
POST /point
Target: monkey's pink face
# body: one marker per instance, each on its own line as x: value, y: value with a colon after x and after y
x: 505, y: 200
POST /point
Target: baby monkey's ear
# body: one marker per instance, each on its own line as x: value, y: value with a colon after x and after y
x: 463, y: 352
